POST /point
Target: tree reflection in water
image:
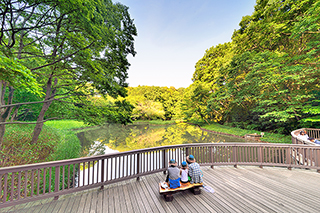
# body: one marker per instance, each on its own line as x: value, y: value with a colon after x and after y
x: 116, y: 137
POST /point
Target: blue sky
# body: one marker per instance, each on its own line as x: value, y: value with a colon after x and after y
x: 174, y: 34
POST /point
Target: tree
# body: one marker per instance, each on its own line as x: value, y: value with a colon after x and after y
x: 194, y: 102
x: 78, y: 43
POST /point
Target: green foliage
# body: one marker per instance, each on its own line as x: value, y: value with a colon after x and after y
x: 156, y: 122
x: 153, y: 102
x: 72, y: 50
x: 56, y: 142
x: 267, y: 77
x: 66, y: 124
x: 17, y: 75
x: 194, y: 102
x: 268, y: 137
x: 17, y: 149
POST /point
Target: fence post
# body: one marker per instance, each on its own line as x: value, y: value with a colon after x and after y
x: 138, y: 165
x: 260, y: 156
x: 235, y: 156
x: 57, y: 180
x: 318, y: 160
x: 211, y: 156
x: 164, y: 159
x: 102, y: 174
x: 288, y: 157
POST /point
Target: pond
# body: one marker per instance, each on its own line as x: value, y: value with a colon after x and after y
x: 119, y: 138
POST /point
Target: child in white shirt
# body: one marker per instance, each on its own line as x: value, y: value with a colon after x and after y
x: 184, y: 172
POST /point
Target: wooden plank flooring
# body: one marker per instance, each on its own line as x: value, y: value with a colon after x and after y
x: 242, y: 189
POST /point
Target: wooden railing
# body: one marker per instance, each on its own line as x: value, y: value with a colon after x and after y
x: 312, y: 133
x: 26, y: 183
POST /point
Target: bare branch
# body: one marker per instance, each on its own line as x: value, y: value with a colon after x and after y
x: 19, y: 122
x: 35, y: 102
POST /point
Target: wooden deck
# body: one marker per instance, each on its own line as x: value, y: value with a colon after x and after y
x: 242, y: 189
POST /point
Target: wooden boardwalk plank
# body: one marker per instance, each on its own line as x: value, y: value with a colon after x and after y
x: 87, y: 205
x: 153, y: 187
x: 121, y: 199
x: 235, y: 194
x: 145, y: 199
x: 82, y: 202
x: 100, y: 201
x: 243, y: 194
x: 94, y: 200
x: 127, y: 200
x: 135, y: 200
x: 242, y: 189
x: 111, y: 201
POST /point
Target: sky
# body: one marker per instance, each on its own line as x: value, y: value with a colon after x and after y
x: 174, y: 34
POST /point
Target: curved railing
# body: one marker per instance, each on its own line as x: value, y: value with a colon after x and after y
x: 26, y: 183
x: 313, y: 133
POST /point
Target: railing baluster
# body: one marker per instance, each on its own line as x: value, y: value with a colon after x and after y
x: 107, y: 169
x: 83, y: 173
x: 5, y: 187
x: 118, y: 166
x: 74, y: 176
x: 102, y: 174
x: 32, y: 182
x: 12, y: 186
x: 44, y: 181
x: 93, y: 172
x: 19, y: 185
x: 68, y: 187
x: 56, y: 181
x: 38, y: 183
x: 123, y: 165
x: 88, y: 173
x: 63, y: 177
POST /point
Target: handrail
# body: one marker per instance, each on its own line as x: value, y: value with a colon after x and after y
x: 313, y: 133
x: 31, y: 182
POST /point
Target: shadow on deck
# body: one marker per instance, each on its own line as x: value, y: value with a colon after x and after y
x: 242, y: 189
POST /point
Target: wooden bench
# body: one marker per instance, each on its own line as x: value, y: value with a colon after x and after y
x: 168, y: 193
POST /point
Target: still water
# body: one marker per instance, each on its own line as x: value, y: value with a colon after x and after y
x: 118, y: 138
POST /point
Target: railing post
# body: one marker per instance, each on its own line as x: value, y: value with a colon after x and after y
x: 288, y: 157
x: 165, y: 163
x: 211, y: 156
x: 260, y: 156
x: 235, y: 156
x: 318, y: 160
x: 138, y: 165
x: 102, y: 174
x: 187, y: 151
x: 57, y: 180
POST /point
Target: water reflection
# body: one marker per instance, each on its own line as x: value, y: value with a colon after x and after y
x: 111, y: 137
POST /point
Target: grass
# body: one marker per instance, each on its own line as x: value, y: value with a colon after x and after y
x: 158, y: 122
x: 66, y: 124
x: 57, y: 141
x: 268, y: 137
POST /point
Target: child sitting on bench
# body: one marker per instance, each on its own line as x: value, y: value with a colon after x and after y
x: 184, y: 172
x: 173, y: 175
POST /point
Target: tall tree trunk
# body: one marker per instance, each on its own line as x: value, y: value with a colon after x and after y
x: 49, y: 95
x: 4, y: 112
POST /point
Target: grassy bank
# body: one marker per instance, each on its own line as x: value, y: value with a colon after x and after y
x: 158, y: 122
x: 57, y: 141
x: 268, y: 137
